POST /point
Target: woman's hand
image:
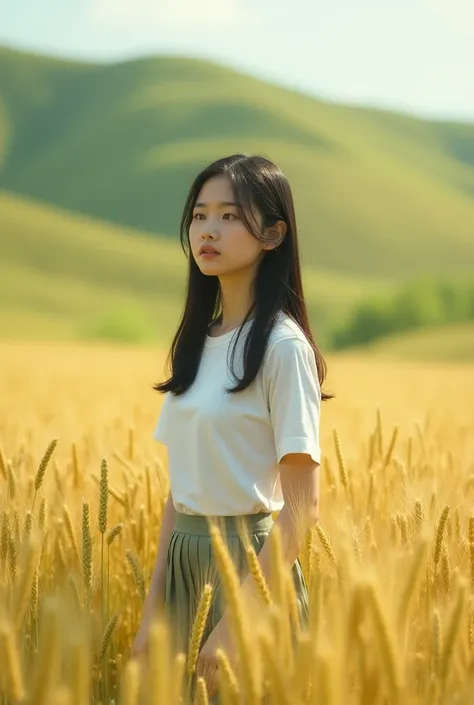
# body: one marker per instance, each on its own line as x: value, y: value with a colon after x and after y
x: 206, y: 667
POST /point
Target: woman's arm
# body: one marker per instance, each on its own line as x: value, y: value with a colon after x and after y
x: 299, y: 476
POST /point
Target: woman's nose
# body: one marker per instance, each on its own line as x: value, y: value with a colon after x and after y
x: 210, y: 233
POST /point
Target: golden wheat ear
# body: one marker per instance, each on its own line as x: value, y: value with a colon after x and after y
x: 241, y: 628
x: 198, y: 628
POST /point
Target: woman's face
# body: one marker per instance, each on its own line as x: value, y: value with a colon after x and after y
x: 220, y: 242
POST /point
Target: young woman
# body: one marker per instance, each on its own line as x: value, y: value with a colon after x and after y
x: 241, y: 412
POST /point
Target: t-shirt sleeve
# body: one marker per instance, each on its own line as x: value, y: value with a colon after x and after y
x: 160, y: 433
x: 294, y: 397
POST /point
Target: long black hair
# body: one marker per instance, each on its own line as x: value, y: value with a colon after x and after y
x: 256, y: 183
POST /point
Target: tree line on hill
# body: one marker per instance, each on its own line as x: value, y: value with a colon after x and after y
x: 421, y: 303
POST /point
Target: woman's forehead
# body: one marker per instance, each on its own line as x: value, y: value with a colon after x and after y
x: 216, y: 190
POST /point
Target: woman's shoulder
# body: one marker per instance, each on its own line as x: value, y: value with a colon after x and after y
x: 288, y: 344
x: 290, y: 362
x: 287, y: 333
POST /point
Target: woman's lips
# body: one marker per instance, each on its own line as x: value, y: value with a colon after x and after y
x: 208, y: 252
x: 209, y: 255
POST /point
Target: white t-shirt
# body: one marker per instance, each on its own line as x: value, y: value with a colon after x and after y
x: 223, y: 448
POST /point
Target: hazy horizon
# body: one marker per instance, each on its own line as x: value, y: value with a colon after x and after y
x: 414, y: 58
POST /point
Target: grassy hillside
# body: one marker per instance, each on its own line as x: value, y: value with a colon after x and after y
x: 64, y: 277
x: 377, y: 194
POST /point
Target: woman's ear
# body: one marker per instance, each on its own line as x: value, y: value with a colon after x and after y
x: 274, y: 235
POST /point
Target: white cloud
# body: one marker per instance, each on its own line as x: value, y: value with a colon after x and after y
x: 171, y: 13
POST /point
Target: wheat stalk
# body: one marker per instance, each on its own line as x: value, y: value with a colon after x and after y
x: 107, y: 636
x: 446, y: 570
x: 121, y: 498
x: 3, y: 465
x: 42, y: 515
x: 198, y: 628
x: 87, y: 573
x: 229, y: 687
x: 137, y: 574
x: 388, y: 650
x: 201, y: 697
x: 114, y: 532
x: 344, y: 477
x: 5, y: 536
x: 11, y: 482
x: 325, y: 544
x: 255, y: 570
x: 412, y: 579
x: 391, y: 446
x: 42, y: 468
x: 70, y: 532
x: 28, y: 525
x: 419, y: 513
x: 452, y: 635
x: 24, y: 590
x: 104, y: 496
x: 13, y: 557
x: 440, y: 533
x: 35, y: 593
x: 102, y: 524
x: 379, y: 433
x: 76, y: 475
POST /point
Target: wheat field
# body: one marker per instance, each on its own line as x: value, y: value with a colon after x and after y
x: 390, y: 566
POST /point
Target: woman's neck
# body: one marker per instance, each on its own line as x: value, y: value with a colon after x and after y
x: 236, y: 300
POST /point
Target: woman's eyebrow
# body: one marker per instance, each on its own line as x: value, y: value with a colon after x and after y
x: 222, y: 204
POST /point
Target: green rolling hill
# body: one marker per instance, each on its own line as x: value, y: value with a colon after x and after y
x: 95, y: 162
x: 64, y: 276
x: 378, y: 194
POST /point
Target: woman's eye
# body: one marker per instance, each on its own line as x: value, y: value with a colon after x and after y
x: 230, y: 216
x: 198, y: 216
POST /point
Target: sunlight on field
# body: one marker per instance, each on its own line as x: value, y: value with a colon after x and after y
x: 390, y: 567
x: 453, y: 342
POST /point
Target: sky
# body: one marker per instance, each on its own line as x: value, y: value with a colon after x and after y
x: 412, y: 56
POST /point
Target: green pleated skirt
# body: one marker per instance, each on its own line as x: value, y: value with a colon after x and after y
x: 190, y: 565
